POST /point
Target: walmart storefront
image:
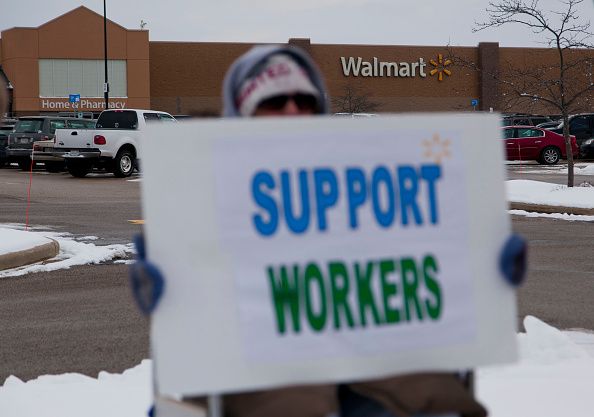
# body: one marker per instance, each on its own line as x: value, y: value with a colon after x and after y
x: 64, y: 56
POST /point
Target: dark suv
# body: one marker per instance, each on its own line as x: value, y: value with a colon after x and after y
x: 524, y: 120
x: 6, y: 127
x: 582, y: 127
x: 29, y: 129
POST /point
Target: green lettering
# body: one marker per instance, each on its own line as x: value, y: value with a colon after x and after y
x: 429, y: 269
x: 365, y: 294
x: 408, y: 268
x: 313, y: 275
x: 285, y: 295
x: 339, y: 279
x: 388, y: 289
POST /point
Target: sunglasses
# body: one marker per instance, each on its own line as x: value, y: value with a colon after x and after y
x: 302, y: 101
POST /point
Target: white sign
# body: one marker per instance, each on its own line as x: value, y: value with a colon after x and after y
x: 315, y: 250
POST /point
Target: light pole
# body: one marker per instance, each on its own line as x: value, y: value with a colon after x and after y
x: 106, y: 84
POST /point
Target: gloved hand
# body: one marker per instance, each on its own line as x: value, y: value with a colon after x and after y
x: 145, y: 279
x: 513, y: 260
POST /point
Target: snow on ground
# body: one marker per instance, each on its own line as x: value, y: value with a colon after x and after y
x: 552, y: 378
x: 15, y: 240
x: 578, y: 169
x: 558, y: 216
x: 74, y: 395
x: 72, y: 250
x: 536, y: 192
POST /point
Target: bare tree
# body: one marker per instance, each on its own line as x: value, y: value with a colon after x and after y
x: 566, y: 85
x: 354, y: 100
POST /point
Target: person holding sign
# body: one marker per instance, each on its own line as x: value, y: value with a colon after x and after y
x: 271, y: 81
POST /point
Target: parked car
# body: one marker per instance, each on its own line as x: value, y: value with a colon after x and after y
x: 549, y: 125
x: 43, y: 150
x: 525, y: 120
x: 533, y: 143
x: 6, y: 127
x: 587, y: 149
x: 112, y: 145
x: 582, y: 127
x: 355, y: 115
x: 29, y: 129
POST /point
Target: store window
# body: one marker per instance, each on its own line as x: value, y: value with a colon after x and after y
x: 62, y: 77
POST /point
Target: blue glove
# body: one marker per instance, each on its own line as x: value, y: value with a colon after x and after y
x: 145, y: 279
x: 514, y: 259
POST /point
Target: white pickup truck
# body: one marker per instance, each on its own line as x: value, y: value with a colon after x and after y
x: 112, y: 145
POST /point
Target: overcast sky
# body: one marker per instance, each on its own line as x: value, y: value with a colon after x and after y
x: 391, y: 22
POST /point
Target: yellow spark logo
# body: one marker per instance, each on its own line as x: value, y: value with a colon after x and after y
x: 436, y: 148
x: 440, y: 67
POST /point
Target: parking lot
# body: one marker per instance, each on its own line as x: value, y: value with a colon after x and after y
x: 83, y: 319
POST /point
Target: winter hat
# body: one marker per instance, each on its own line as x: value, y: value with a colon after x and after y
x: 279, y: 74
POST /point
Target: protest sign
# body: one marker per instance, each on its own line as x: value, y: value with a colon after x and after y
x: 320, y: 249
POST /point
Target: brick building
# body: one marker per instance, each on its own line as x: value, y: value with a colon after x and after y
x: 64, y: 56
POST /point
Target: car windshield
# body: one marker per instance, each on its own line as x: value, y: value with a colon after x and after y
x: 167, y: 118
x: 117, y: 120
x: 28, y: 125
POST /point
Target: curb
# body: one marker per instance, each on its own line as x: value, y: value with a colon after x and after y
x: 29, y: 256
x: 541, y: 208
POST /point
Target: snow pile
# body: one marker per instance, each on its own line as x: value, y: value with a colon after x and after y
x: 558, y: 216
x: 536, y: 192
x: 553, y: 378
x: 74, y: 395
x: 15, y: 240
x: 72, y: 251
x: 587, y: 170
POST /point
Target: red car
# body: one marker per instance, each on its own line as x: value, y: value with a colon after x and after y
x: 533, y: 143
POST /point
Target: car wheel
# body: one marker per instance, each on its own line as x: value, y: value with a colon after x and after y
x: 123, y: 164
x: 550, y: 155
x: 2, y: 163
x: 54, y: 167
x: 78, y: 169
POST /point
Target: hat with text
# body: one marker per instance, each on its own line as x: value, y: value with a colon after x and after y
x: 279, y: 74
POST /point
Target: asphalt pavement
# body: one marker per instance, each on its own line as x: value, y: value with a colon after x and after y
x: 98, y: 205
x: 83, y: 319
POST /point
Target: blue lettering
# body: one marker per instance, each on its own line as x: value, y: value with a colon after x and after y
x: 382, y: 175
x: 431, y: 173
x: 261, y: 180
x: 408, y: 193
x: 296, y: 225
x: 326, y: 187
x: 357, y: 193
